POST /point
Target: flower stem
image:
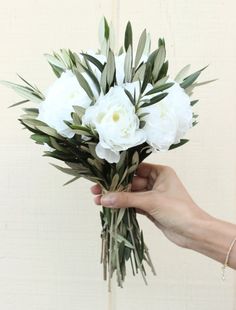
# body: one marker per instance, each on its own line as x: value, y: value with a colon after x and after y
x: 135, y: 250
x: 110, y: 249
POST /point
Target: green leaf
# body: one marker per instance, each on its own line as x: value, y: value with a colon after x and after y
x: 30, y: 113
x: 58, y: 155
x: 129, y: 95
x: 79, y: 110
x: 204, y: 83
x: 106, y: 29
x: 121, y: 51
x: 49, y: 131
x: 161, y: 81
x: 140, y: 47
x: 91, y: 75
x: 122, y: 239
x: 103, y: 80
x: 147, y: 77
x: 40, y: 139
x: 139, y: 74
x: 81, y: 130
x: 182, y: 142
x: 84, y: 84
x: 142, y: 124
x: 142, y: 245
x: 18, y: 103
x: 78, y: 166
x: 111, y: 68
x: 121, y: 162
x: 95, y: 163
x: 142, y: 115
x: 159, y: 61
x: 159, y: 89
x: 191, y: 78
x: 55, y: 62
x: 114, y: 182
x: 71, y: 180
x: 57, y: 146
x: 31, y: 86
x: 147, y: 47
x: 135, y: 158
x: 128, y: 37
x: 128, y: 65
x: 67, y: 170
x: 25, y: 92
x: 193, y: 102
x: 32, y: 123
x: 182, y: 74
x: 121, y: 213
x: 94, y: 61
x: 31, y: 110
x: 163, y: 71
x: 154, y: 100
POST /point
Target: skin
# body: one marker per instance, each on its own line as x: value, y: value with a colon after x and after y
x: 158, y: 193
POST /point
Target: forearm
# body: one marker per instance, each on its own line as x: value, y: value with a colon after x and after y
x: 213, y: 237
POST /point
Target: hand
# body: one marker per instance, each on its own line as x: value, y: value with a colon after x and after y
x: 158, y: 193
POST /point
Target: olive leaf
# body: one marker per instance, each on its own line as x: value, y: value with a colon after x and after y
x: 159, y: 61
x: 128, y: 37
x: 189, y: 80
x: 140, y: 48
x: 128, y: 64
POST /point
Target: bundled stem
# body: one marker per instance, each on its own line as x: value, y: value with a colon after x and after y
x: 122, y: 241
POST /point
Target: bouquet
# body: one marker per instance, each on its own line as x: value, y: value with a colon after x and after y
x: 103, y: 115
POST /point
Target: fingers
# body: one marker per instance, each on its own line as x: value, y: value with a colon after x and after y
x: 145, y: 170
x: 141, y: 200
x: 97, y: 200
x: 96, y: 189
x: 138, y: 184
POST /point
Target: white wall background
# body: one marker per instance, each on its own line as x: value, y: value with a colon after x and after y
x: 49, y: 234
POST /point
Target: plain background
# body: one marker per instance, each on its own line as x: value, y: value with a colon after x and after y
x: 49, y: 234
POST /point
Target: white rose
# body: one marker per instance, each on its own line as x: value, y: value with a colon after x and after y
x: 181, y: 103
x: 169, y: 119
x: 120, y: 70
x: 61, y: 96
x: 114, y: 118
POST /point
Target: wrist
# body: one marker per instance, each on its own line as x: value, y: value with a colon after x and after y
x: 198, y: 224
x: 212, y: 237
x: 198, y: 230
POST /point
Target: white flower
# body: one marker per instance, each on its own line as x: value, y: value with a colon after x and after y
x: 114, y: 118
x: 169, y: 119
x: 180, y: 101
x: 61, y: 96
x: 120, y: 70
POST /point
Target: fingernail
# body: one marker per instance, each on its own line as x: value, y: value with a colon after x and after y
x: 108, y: 200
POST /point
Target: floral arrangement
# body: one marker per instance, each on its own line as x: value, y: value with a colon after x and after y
x: 103, y: 115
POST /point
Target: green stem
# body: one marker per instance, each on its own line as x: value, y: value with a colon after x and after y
x: 149, y: 261
x: 110, y: 250
x: 135, y: 250
x: 117, y: 255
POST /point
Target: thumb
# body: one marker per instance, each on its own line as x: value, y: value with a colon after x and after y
x: 140, y: 200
